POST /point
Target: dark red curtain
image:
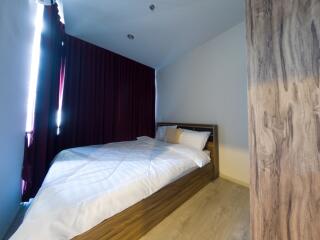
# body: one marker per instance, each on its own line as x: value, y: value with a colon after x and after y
x: 38, y: 155
x: 107, y: 97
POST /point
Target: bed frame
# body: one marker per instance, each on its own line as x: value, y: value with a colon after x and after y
x: 137, y: 220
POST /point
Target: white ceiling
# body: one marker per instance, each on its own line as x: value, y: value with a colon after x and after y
x: 161, y: 36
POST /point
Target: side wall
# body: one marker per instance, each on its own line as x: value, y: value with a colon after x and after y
x: 16, y: 24
x: 209, y: 85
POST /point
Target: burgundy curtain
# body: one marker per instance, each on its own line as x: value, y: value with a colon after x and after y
x: 107, y: 97
x: 38, y: 155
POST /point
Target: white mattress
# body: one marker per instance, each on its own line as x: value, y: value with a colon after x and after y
x: 87, y: 185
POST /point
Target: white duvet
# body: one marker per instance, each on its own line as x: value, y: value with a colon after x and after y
x: 87, y: 185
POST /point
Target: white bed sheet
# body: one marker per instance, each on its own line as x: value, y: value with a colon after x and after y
x: 87, y: 185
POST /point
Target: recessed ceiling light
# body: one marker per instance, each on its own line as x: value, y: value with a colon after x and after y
x: 130, y: 36
x: 152, y: 7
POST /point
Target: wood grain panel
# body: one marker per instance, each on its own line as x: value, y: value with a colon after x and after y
x: 284, y: 126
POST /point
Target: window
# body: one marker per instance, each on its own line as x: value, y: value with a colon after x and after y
x: 34, y: 70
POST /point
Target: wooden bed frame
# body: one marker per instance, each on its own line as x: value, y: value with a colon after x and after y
x: 137, y: 220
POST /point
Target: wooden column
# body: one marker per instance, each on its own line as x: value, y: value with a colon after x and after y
x: 284, y: 118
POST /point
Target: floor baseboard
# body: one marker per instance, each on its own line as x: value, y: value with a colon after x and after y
x: 231, y: 179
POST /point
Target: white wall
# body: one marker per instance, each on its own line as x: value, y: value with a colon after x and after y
x: 16, y: 24
x: 209, y: 85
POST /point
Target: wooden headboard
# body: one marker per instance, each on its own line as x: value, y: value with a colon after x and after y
x: 212, y: 144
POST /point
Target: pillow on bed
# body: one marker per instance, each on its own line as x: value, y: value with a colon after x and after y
x: 161, y: 132
x: 194, y: 139
x: 199, y: 157
x: 172, y: 135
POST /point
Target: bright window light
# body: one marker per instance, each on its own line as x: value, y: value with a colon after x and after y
x: 33, y: 78
x: 61, y: 12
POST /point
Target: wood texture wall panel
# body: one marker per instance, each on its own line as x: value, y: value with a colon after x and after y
x: 284, y: 118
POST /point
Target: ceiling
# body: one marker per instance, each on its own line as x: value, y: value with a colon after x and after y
x: 161, y: 36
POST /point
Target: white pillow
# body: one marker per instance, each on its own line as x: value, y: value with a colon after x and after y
x: 199, y: 157
x: 194, y: 139
x: 161, y: 132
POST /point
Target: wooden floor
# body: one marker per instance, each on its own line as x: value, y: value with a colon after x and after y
x: 220, y: 211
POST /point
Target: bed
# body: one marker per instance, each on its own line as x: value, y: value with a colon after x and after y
x: 118, y: 190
